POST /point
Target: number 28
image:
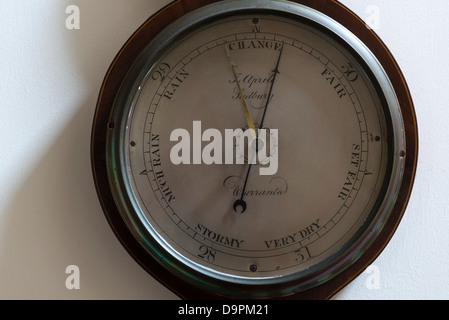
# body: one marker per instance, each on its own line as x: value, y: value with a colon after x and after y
x: 207, y: 253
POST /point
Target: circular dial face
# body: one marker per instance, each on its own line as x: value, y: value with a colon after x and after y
x: 296, y: 199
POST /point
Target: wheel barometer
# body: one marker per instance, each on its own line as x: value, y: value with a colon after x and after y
x: 254, y: 148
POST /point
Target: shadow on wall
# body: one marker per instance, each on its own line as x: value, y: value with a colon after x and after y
x: 54, y: 219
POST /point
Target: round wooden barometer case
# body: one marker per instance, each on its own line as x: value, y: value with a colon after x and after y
x: 254, y: 149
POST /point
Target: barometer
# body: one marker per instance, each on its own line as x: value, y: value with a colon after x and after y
x: 254, y: 148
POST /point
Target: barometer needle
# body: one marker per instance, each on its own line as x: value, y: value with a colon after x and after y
x: 275, y: 73
x: 240, y: 202
x: 249, y: 119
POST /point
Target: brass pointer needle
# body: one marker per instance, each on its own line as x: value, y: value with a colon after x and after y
x: 249, y: 120
x: 240, y: 202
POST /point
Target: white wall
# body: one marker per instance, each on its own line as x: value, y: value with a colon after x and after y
x: 49, y: 213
